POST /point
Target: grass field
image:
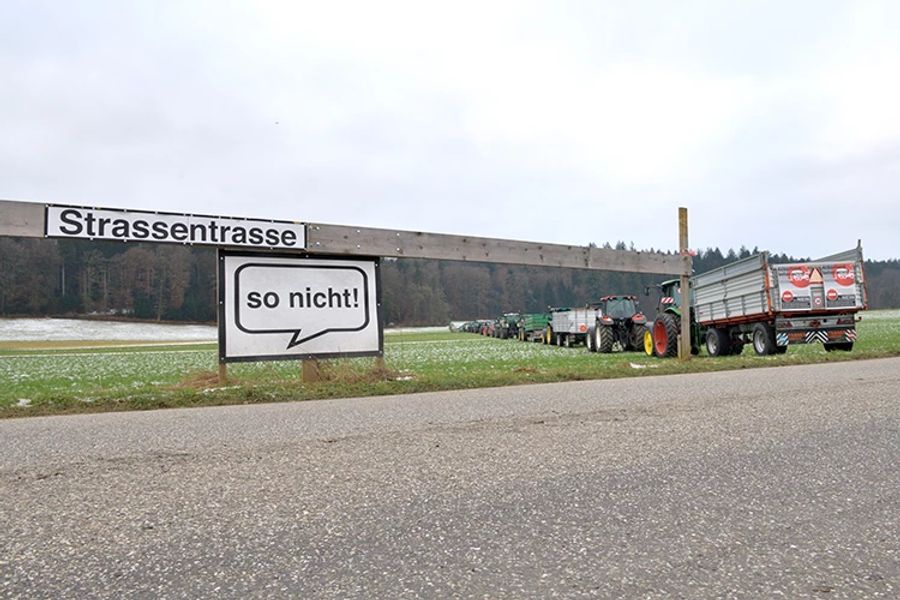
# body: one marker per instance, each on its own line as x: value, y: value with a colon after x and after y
x: 38, y: 378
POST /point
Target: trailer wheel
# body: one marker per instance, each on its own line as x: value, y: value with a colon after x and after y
x: 590, y: 341
x: 781, y: 349
x: 567, y: 340
x: 763, y: 339
x: 665, y: 335
x: 559, y: 339
x: 717, y: 342
x: 648, y: 342
x: 605, y: 339
x: 843, y: 346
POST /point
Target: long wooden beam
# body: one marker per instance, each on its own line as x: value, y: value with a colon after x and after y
x: 342, y: 239
x: 26, y: 219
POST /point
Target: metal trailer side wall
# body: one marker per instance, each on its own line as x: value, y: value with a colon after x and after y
x: 575, y: 320
x: 738, y: 290
x: 533, y: 321
x: 561, y: 320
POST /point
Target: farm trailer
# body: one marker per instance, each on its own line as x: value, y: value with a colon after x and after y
x: 532, y: 326
x: 569, y: 326
x: 771, y: 306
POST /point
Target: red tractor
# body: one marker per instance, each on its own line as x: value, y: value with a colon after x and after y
x: 619, y: 324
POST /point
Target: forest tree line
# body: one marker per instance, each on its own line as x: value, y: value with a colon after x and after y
x: 167, y: 282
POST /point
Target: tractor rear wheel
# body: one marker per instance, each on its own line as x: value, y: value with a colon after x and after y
x: 605, y: 339
x: 665, y: 335
x: 635, y: 337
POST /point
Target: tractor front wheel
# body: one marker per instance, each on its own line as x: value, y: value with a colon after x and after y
x: 648, y: 342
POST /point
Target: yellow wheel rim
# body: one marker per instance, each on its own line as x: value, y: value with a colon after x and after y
x: 648, y: 342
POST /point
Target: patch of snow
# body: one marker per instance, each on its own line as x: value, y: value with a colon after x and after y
x: 38, y: 330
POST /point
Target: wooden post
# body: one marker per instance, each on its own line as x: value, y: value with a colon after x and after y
x: 684, y: 340
x: 309, y: 369
x: 379, y: 363
x: 223, y: 373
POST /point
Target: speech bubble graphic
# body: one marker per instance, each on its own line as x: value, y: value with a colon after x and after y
x: 305, y: 301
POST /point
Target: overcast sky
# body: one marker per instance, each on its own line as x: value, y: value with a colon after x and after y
x: 776, y: 123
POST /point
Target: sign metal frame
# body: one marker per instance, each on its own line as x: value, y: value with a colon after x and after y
x: 224, y: 291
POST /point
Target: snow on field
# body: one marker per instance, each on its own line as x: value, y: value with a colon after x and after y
x: 77, y: 329
x: 37, y: 330
x: 432, y: 329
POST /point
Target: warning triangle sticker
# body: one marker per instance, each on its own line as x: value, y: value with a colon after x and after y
x: 815, y: 276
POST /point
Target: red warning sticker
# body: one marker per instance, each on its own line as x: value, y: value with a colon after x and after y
x: 798, y: 275
x: 582, y: 328
x: 787, y: 297
x: 832, y: 295
x: 844, y: 274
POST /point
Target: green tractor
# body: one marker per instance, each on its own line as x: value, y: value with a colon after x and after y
x: 507, y: 326
x: 661, y: 335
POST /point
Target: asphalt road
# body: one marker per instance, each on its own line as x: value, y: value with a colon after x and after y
x: 746, y: 484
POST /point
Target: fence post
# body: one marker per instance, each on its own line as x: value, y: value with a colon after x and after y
x: 684, y: 340
x: 309, y: 370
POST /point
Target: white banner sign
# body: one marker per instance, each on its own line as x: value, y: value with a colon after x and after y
x: 145, y: 226
x: 280, y: 307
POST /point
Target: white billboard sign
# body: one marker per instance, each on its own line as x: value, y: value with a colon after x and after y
x: 274, y: 307
x: 148, y: 226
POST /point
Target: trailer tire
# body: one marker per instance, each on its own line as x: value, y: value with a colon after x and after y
x: 763, y: 339
x: 559, y: 339
x: 717, y: 342
x: 781, y: 349
x: 665, y: 335
x: 843, y: 346
x: 567, y: 340
x: 605, y: 339
x: 589, y: 341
